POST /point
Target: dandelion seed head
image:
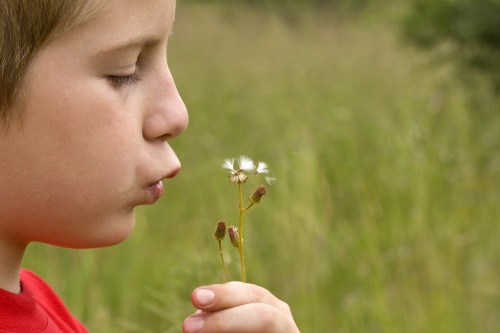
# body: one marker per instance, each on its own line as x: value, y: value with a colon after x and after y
x: 228, y: 164
x: 261, y: 168
x: 246, y: 163
x: 237, y: 177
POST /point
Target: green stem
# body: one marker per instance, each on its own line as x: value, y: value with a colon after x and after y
x: 242, y: 252
x: 222, y: 259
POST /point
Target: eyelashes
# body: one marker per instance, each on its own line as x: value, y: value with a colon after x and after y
x: 119, y: 81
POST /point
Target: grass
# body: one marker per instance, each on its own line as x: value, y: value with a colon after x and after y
x: 385, y: 216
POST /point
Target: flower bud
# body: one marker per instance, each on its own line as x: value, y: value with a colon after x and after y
x: 220, y: 232
x: 258, y: 194
x: 234, y: 236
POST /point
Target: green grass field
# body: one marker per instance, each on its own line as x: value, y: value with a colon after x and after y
x: 386, y: 213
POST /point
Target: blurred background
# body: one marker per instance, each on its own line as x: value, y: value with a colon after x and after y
x: 381, y: 121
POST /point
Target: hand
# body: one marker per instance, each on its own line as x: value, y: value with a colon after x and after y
x: 237, y: 307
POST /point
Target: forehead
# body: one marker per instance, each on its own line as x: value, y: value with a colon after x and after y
x: 119, y: 22
x: 123, y: 7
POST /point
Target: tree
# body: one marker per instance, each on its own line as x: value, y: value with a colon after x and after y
x: 464, y: 31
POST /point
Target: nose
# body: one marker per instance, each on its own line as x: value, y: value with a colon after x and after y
x: 167, y: 116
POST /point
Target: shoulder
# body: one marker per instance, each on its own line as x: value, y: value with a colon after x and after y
x: 33, y: 281
x: 50, y: 302
x: 40, y: 289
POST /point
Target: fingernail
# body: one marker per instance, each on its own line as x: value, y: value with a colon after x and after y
x: 193, y: 324
x: 205, y: 296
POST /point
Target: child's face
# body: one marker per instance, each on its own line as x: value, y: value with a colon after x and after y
x: 100, y: 103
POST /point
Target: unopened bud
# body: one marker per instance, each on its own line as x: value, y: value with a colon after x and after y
x: 258, y: 194
x: 234, y: 236
x: 220, y: 232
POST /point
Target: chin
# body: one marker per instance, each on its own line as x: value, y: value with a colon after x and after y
x: 116, y: 234
x: 104, y: 234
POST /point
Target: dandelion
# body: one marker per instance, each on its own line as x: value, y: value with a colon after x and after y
x: 261, y: 168
x: 229, y: 164
x: 239, y: 175
x: 246, y: 163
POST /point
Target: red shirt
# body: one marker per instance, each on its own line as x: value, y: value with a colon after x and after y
x: 36, y: 309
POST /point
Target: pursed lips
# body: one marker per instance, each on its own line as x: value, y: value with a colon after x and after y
x: 155, y: 190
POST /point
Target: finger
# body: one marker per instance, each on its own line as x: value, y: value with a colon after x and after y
x: 248, y: 318
x: 223, y: 296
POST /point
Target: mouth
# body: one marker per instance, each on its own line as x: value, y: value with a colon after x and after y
x: 154, y: 191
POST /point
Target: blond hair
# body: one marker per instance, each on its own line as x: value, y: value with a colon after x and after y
x: 25, y: 26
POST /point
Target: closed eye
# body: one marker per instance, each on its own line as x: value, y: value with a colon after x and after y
x: 119, y: 81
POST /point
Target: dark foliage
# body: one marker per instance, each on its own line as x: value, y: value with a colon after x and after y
x: 464, y: 31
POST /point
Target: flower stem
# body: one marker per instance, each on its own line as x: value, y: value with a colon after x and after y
x: 222, y: 259
x: 250, y: 205
x: 242, y: 252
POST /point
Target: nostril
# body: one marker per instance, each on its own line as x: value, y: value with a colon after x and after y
x: 165, y: 137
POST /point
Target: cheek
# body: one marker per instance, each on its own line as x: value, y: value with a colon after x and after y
x: 90, y: 135
x: 56, y: 208
x: 87, y: 133
x: 79, y: 169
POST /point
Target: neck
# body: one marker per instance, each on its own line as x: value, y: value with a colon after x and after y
x: 11, y: 256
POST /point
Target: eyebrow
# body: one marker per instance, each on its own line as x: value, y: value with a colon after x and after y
x: 138, y: 42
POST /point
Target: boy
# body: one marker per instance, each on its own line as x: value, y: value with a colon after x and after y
x: 87, y: 103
